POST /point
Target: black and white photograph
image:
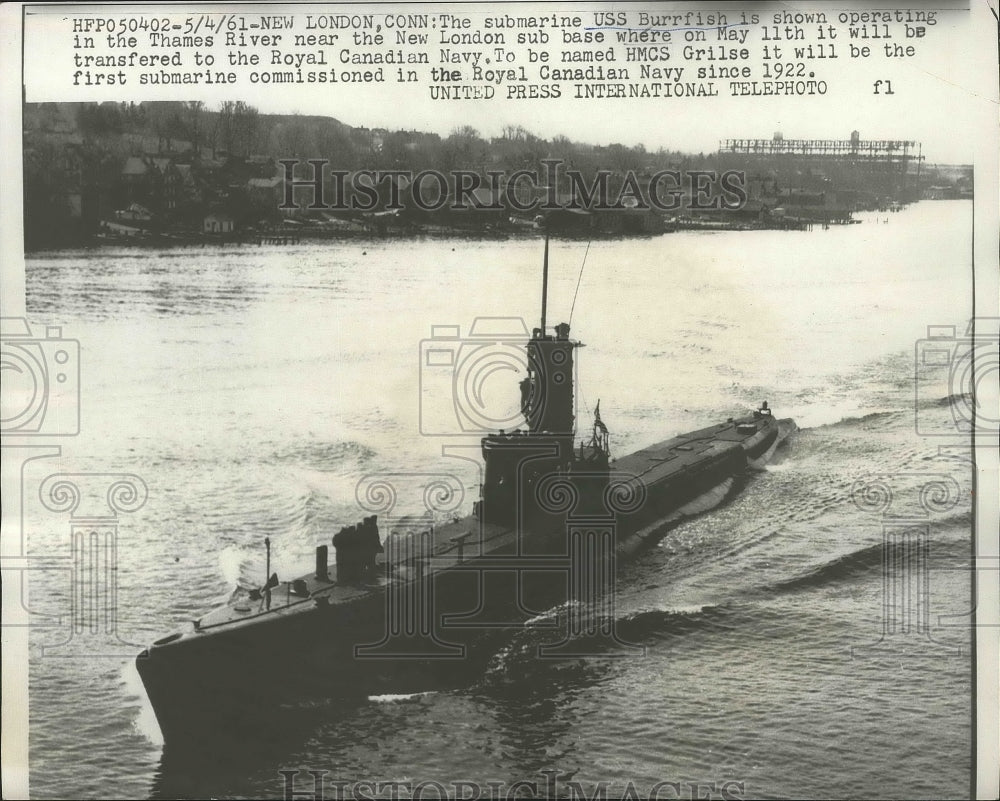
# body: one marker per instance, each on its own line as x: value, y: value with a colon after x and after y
x: 526, y: 400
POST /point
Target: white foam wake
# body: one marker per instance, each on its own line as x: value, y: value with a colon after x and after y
x: 390, y: 698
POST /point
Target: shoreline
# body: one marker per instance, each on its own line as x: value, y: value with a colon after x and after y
x: 286, y: 237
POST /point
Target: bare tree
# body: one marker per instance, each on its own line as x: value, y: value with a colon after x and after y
x: 236, y: 127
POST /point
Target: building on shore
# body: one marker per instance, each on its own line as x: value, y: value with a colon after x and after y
x: 864, y: 169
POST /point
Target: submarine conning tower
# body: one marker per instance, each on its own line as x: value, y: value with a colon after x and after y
x: 515, y: 462
x: 547, y: 392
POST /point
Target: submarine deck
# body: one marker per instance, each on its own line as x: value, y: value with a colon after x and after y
x: 684, y: 452
x: 454, y: 543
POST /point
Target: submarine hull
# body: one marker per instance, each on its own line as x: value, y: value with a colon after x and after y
x: 432, y: 619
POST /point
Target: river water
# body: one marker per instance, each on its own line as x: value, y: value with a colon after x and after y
x: 252, y: 388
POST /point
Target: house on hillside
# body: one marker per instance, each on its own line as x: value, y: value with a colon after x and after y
x: 218, y: 223
x: 167, y: 183
x: 138, y: 183
x: 266, y: 194
x: 135, y: 172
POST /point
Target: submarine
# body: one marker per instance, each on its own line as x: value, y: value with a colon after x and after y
x: 419, y: 610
